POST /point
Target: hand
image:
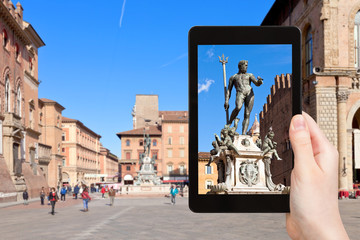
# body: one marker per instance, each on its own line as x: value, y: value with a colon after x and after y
x: 314, y: 212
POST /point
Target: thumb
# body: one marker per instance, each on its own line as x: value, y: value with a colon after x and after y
x: 301, y: 143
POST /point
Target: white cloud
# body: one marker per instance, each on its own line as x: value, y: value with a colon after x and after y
x: 210, y: 52
x: 122, y: 12
x: 174, y: 60
x: 205, y: 86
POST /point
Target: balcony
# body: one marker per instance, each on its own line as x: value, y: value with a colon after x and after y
x: 44, y: 154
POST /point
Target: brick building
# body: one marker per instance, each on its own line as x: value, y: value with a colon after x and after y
x: 169, y: 141
x: 330, y: 70
x: 277, y: 113
x: 81, y: 150
x: 20, y: 167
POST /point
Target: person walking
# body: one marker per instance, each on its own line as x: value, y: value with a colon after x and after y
x: 103, y: 192
x: 86, y: 198
x: 173, y: 192
x: 63, y: 193
x: 112, y: 194
x: 76, y: 191
x: 53, y: 197
x: 25, y: 197
x: 42, y: 195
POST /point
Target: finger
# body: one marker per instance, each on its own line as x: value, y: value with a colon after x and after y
x: 301, y: 144
x: 323, y: 150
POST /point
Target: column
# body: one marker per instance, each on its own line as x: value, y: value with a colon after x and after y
x: 342, y: 96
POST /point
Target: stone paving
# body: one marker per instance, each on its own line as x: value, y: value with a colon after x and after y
x: 148, y: 218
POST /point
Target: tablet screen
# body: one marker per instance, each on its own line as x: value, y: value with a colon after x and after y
x: 243, y: 146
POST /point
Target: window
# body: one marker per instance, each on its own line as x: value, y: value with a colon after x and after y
x: 30, y: 63
x: 63, y: 149
x: 170, y: 140
x: 63, y: 137
x: 59, y: 148
x: 31, y: 118
x: 182, y: 169
x: 181, y: 129
x: 182, y: 141
x: 18, y: 102
x: 128, y: 155
x: 169, y: 153
x: 208, y: 183
x: 17, y: 51
x: 7, y: 94
x: 155, y: 168
x: 5, y: 38
x: 141, y: 143
x: 155, y: 155
x: 154, y: 143
x: 169, y: 129
x: 309, y: 53
x: 357, y: 39
x: 181, y: 153
x: 128, y: 168
x: 63, y: 162
x: 128, y: 143
x: 169, y: 168
x: 41, y: 117
x: 208, y: 169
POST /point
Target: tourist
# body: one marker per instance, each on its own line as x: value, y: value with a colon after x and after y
x: 314, y: 211
x: 63, y: 193
x: 42, y: 195
x: 53, y: 197
x: 112, y: 194
x: 173, y: 192
x: 86, y: 198
x: 25, y: 197
x: 103, y: 192
x: 76, y: 191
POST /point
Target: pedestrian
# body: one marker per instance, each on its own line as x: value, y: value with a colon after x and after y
x: 173, y: 192
x: 76, y: 191
x: 53, y: 197
x: 112, y: 194
x: 42, y: 195
x: 103, y: 192
x: 69, y: 190
x: 63, y: 193
x: 86, y: 198
x: 25, y: 197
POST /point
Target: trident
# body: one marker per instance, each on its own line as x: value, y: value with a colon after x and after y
x: 224, y: 61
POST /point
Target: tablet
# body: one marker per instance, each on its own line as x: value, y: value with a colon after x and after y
x: 244, y: 88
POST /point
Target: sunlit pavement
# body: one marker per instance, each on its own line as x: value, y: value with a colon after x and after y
x: 148, y: 218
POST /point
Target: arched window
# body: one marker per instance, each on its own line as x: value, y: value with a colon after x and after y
x: 309, y: 52
x: 18, y: 102
x: 128, y: 143
x: 5, y: 38
x: 154, y: 143
x: 357, y: 39
x: 7, y: 94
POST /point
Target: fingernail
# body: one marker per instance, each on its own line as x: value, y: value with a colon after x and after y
x: 298, y: 122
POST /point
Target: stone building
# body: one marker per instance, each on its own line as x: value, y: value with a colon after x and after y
x: 50, y: 121
x: 330, y: 72
x: 169, y: 136
x: 81, y: 150
x: 277, y: 113
x: 20, y: 167
x: 207, y: 174
x: 109, y: 165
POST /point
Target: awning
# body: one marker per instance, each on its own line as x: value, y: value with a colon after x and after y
x: 128, y: 178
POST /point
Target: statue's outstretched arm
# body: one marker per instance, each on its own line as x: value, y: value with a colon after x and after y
x: 257, y: 81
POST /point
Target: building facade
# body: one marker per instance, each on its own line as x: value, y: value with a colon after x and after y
x: 208, y: 175
x: 81, y: 150
x: 109, y: 165
x: 50, y: 122
x: 19, y: 129
x: 169, y: 141
x: 330, y: 70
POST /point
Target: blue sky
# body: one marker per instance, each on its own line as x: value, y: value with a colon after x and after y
x: 100, y: 54
x: 265, y: 61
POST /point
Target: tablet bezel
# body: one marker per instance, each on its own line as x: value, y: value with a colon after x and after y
x: 236, y: 35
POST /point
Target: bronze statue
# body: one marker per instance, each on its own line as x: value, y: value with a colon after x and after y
x: 244, y: 93
x: 147, y: 144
